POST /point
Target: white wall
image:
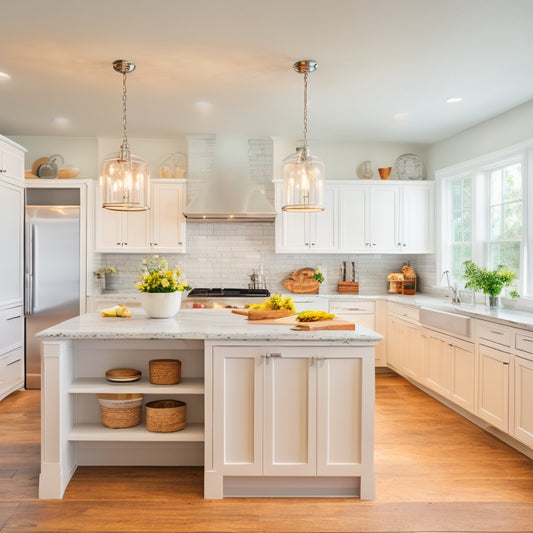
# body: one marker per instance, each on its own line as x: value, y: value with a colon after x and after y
x: 490, y: 136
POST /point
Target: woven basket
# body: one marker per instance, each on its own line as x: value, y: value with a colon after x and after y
x: 120, y: 410
x: 165, y: 371
x: 165, y: 416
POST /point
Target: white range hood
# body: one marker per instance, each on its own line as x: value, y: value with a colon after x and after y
x: 229, y: 195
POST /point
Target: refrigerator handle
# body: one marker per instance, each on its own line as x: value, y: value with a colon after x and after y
x: 28, y: 293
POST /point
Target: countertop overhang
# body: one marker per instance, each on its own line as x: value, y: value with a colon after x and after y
x: 202, y: 324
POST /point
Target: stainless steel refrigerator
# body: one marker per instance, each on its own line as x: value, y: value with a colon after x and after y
x: 52, y: 267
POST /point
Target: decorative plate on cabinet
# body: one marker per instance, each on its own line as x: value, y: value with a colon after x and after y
x: 410, y: 167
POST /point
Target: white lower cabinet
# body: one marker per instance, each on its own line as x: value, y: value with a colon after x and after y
x: 364, y: 313
x: 404, y: 342
x: 291, y: 411
x: 494, y: 373
x: 523, y: 401
x: 451, y: 368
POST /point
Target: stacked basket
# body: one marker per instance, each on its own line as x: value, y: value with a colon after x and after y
x: 162, y: 416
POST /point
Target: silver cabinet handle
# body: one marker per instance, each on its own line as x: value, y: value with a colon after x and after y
x: 496, y: 332
x: 15, y: 361
x: 13, y: 317
x: 527, y: 339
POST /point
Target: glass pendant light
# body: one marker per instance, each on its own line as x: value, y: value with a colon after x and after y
x: 303, y: 174
x: 125, y: 177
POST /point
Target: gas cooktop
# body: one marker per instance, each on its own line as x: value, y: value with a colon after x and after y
x: 228, y: 293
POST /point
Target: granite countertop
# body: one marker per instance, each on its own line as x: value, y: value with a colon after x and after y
x: 204, y: 324
x: 510, y: 317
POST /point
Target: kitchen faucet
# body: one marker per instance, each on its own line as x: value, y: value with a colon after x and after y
x: 454, y: 291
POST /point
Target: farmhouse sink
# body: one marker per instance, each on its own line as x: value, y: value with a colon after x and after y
x: 444, y: 321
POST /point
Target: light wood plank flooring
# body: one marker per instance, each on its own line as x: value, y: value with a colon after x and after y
x: 435, y: 471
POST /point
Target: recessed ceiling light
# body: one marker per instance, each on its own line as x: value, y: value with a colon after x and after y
x: 4, y: 76
x: 454, y: 100
x: 62, y: 122
x: 203, y: 107
x: 399, y: 117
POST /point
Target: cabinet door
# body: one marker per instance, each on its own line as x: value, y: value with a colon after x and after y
x: 136, y: 231
x: 339, y: 434
x: 294, y: 231
x: 11, y: 162
x: 323, y: 225
x: 412, y: 352
x: 290, y: 414
x: 523, y: 397
x: 168, y: 223
x: 417, y: 217
x: 384, y: 218
x: 11, y: 244
x: 310, y: 232
x: 394, y: 344
x: 108, y: 229
x: 464, y: 376
x: 237, y: 410
x: 493, y: 402
x: 439, y: 361
x: 353, y: 223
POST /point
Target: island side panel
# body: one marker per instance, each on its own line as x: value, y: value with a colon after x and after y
x: 58, y: 457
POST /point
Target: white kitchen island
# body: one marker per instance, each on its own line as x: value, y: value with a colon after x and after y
x: 270, y: 410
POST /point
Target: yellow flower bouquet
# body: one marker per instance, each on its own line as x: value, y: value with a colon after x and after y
x: 157, y: 277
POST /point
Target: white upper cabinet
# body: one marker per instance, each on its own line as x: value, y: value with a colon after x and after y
x: 416, y: 224
x: 11, y: 159
x: 309, y: 232
x: 161, y: 229
x: 363, y: 217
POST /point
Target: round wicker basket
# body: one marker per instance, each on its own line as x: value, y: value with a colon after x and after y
x: 165, y: 416
x: 120, y: 410
x: 165, y: 371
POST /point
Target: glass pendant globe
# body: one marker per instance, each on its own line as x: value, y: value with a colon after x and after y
x: 303, y: 177
x: 125, y: 182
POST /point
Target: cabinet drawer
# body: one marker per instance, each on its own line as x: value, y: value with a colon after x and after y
x: 523, y: 343
x: 11, y: 328
x: 11, y: 365
x: 403, y: 311
x: 356, y: 307
x: 492, y: 332
x: 11, y: 371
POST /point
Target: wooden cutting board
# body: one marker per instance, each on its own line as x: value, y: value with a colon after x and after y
x: 334, y: 323
x: 301, y: 282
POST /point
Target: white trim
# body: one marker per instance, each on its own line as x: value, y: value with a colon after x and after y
x: 484, y: 161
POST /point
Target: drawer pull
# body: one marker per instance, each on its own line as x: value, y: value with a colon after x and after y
x: 13, y: 362
x: 505, y: 363
x: 496, y: 332
x: 527, y: 339
x: 275, y: 355
x: 14, y: 317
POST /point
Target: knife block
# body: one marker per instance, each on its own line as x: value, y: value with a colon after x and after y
x: 349, y: 287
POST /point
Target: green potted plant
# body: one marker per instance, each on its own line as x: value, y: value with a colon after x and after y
x: 491, y: 282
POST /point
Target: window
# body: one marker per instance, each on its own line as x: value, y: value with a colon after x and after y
x: 505, y: 217
x: 460, y: 240
x: 483, y: 216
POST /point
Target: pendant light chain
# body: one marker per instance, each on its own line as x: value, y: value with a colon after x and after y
x: 306, y: 76
x: 124, y: 114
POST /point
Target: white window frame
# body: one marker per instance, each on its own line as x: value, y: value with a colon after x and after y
x: 479, y: 169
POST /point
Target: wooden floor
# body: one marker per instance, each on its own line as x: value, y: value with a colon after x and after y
x: 435, y: 471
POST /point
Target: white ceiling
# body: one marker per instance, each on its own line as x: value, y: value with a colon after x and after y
x: 211, y: 66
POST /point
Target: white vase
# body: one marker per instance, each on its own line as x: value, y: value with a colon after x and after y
x: 161, y: 304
